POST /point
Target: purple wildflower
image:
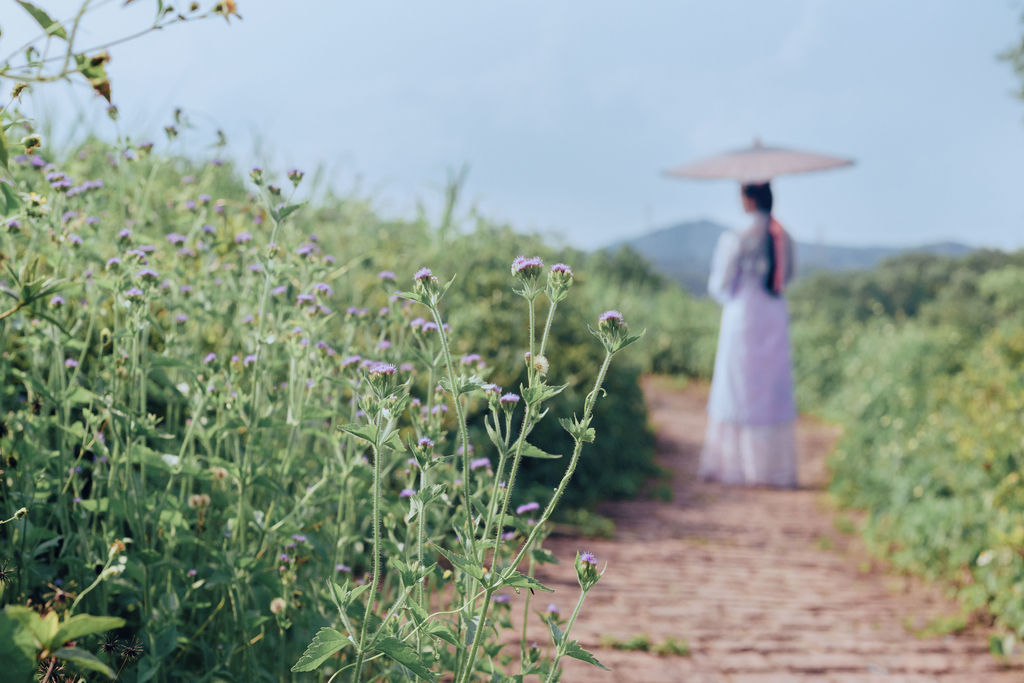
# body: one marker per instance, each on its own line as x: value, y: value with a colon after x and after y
x: 247, y: 318
x: 210, y: 357
x: 424, y: 442
x: 305, y: 299
x: 384, y: 345
x: 187, y: 180
x: 383, y: 369
x: 349, y: 360
x: 470, y: 358
x: 209, y: 229
x: 423, y: 274
x: 249, y: 359
x: 480, y: 462
x: 324, y: 288
x: 522, y: 265
x: 279, y: 290
x: 527, y: 507
x: 74, y: 239
x: 502, y: 598
x: 92, y: 220
x: 509, y: 398
x: 176, y: 238
x: 147, y: 274
x: 192, y: 572
x: 589, y: 558
x: 283, y: 557
x: 243, y: 237
x: 553, y: 608
x: 508, y: 535
x: 342, y: 568
x: 204, y: 198
x: 407, y: 493
x: 134, y: 293
x: 182, y: 318
x: 113, y: 261
x: 185, y: 289
x: 57, y: 300
x: 561, y: 268
x: 298, y: 538
x: 386, y: 275
x: 611, y: 315
x: 71, y: 363
x: 406, y: 367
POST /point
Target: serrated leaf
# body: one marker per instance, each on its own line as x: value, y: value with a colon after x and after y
x: 84, y: 625
x: 404, y: 655
x: 394, y: 442
x: 556, y: 633
x: 364, y: 432
x: 51, y: 27
x: 325, y: 643
x: 517, y: 580
x: 531, y: 451
x: 83, y: 660
x: 574, y: 650
x: 466, y: 564
x: 541, y: 392
x: 442, y: 631
x: 544, y: 556
x: 289, y: 210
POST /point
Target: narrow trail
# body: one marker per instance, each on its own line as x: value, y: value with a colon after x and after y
x: 759, y: 582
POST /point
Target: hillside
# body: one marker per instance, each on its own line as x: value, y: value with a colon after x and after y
x: 683, y: 252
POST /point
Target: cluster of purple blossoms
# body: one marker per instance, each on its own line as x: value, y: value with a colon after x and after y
x: 424, y: 275
x: 71, y: 363
x: 243, y: 237
x: 57, y: 301
x: 470, y: 358
x: 385, y: 369
x: 279, y: 290
x: 134, y: 294
x: 75, y: 239
x: 68, y: 215
x: 176, y: 238
x: 387, y: 275
x: 249, y: 359
x: 323, y: 288
x: 589, y: 558
x: 85, y: 187
x: 561, y: 268
x: 210, y: 357
x: 521, y: 265
x: 59, y: 180
x: 509, y: 399
x: 407, y: 493
x: 147, y: 274
x: 305, y: 299
x: 480, y: 462
x: 425, y: 442
x: 527, y: 507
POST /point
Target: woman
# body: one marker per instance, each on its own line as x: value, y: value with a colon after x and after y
x: 750, y: 437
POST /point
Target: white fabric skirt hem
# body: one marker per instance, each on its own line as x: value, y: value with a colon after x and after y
x: 752, y: 455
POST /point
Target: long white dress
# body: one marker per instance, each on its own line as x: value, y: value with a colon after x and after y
x: 751, y: 412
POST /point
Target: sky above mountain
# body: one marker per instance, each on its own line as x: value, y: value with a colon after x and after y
x: 567, y: 113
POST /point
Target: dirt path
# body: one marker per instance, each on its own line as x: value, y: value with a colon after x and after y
x: 759, y: 582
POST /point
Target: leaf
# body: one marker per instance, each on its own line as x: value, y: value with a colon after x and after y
x: 51, y: 27
x: 493, y: 434
x: 148, y: 667
x: 17, y: 649
x: 466, y: 564
x: 325, y: 643
x: 394, y: 442
x: 541, y: 392
x: 364, y: 432
x: 85, y: 660
x: 577, y: 429
x: 84, y: 625
x: 442, y: 631
x: 4, y: 154
x: 517, y: 580
x: 574, y: 650
x: 556, y: 633
x: 95, y: 72
x: 289, y: 210
x: 544, y: 556
x: 531, y: 451
x: 43, y: 628
x: 406, y: 656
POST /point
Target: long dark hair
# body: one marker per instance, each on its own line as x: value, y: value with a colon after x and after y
x: 761, y: 195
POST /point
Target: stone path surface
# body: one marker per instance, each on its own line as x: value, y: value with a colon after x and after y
x: 759, y: 582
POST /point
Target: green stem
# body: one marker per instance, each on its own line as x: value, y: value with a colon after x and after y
x: 560, y: 651
x: 358, y: 672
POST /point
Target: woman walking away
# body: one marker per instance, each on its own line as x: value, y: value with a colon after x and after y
x: 750, y: 437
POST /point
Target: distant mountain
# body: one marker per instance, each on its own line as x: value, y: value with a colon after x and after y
x: 683, y: 252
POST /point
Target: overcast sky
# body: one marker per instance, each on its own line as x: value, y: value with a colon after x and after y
x: 567, y: 112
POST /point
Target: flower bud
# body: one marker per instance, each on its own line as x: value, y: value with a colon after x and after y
x: 32, y: 142
x: 257, y: 175
x: 586, y: 570
x: 426, y: 284
x: 559, y: 282
x: 295, y: 175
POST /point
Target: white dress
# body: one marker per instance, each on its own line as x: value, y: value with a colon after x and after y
x: 750, y: 436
